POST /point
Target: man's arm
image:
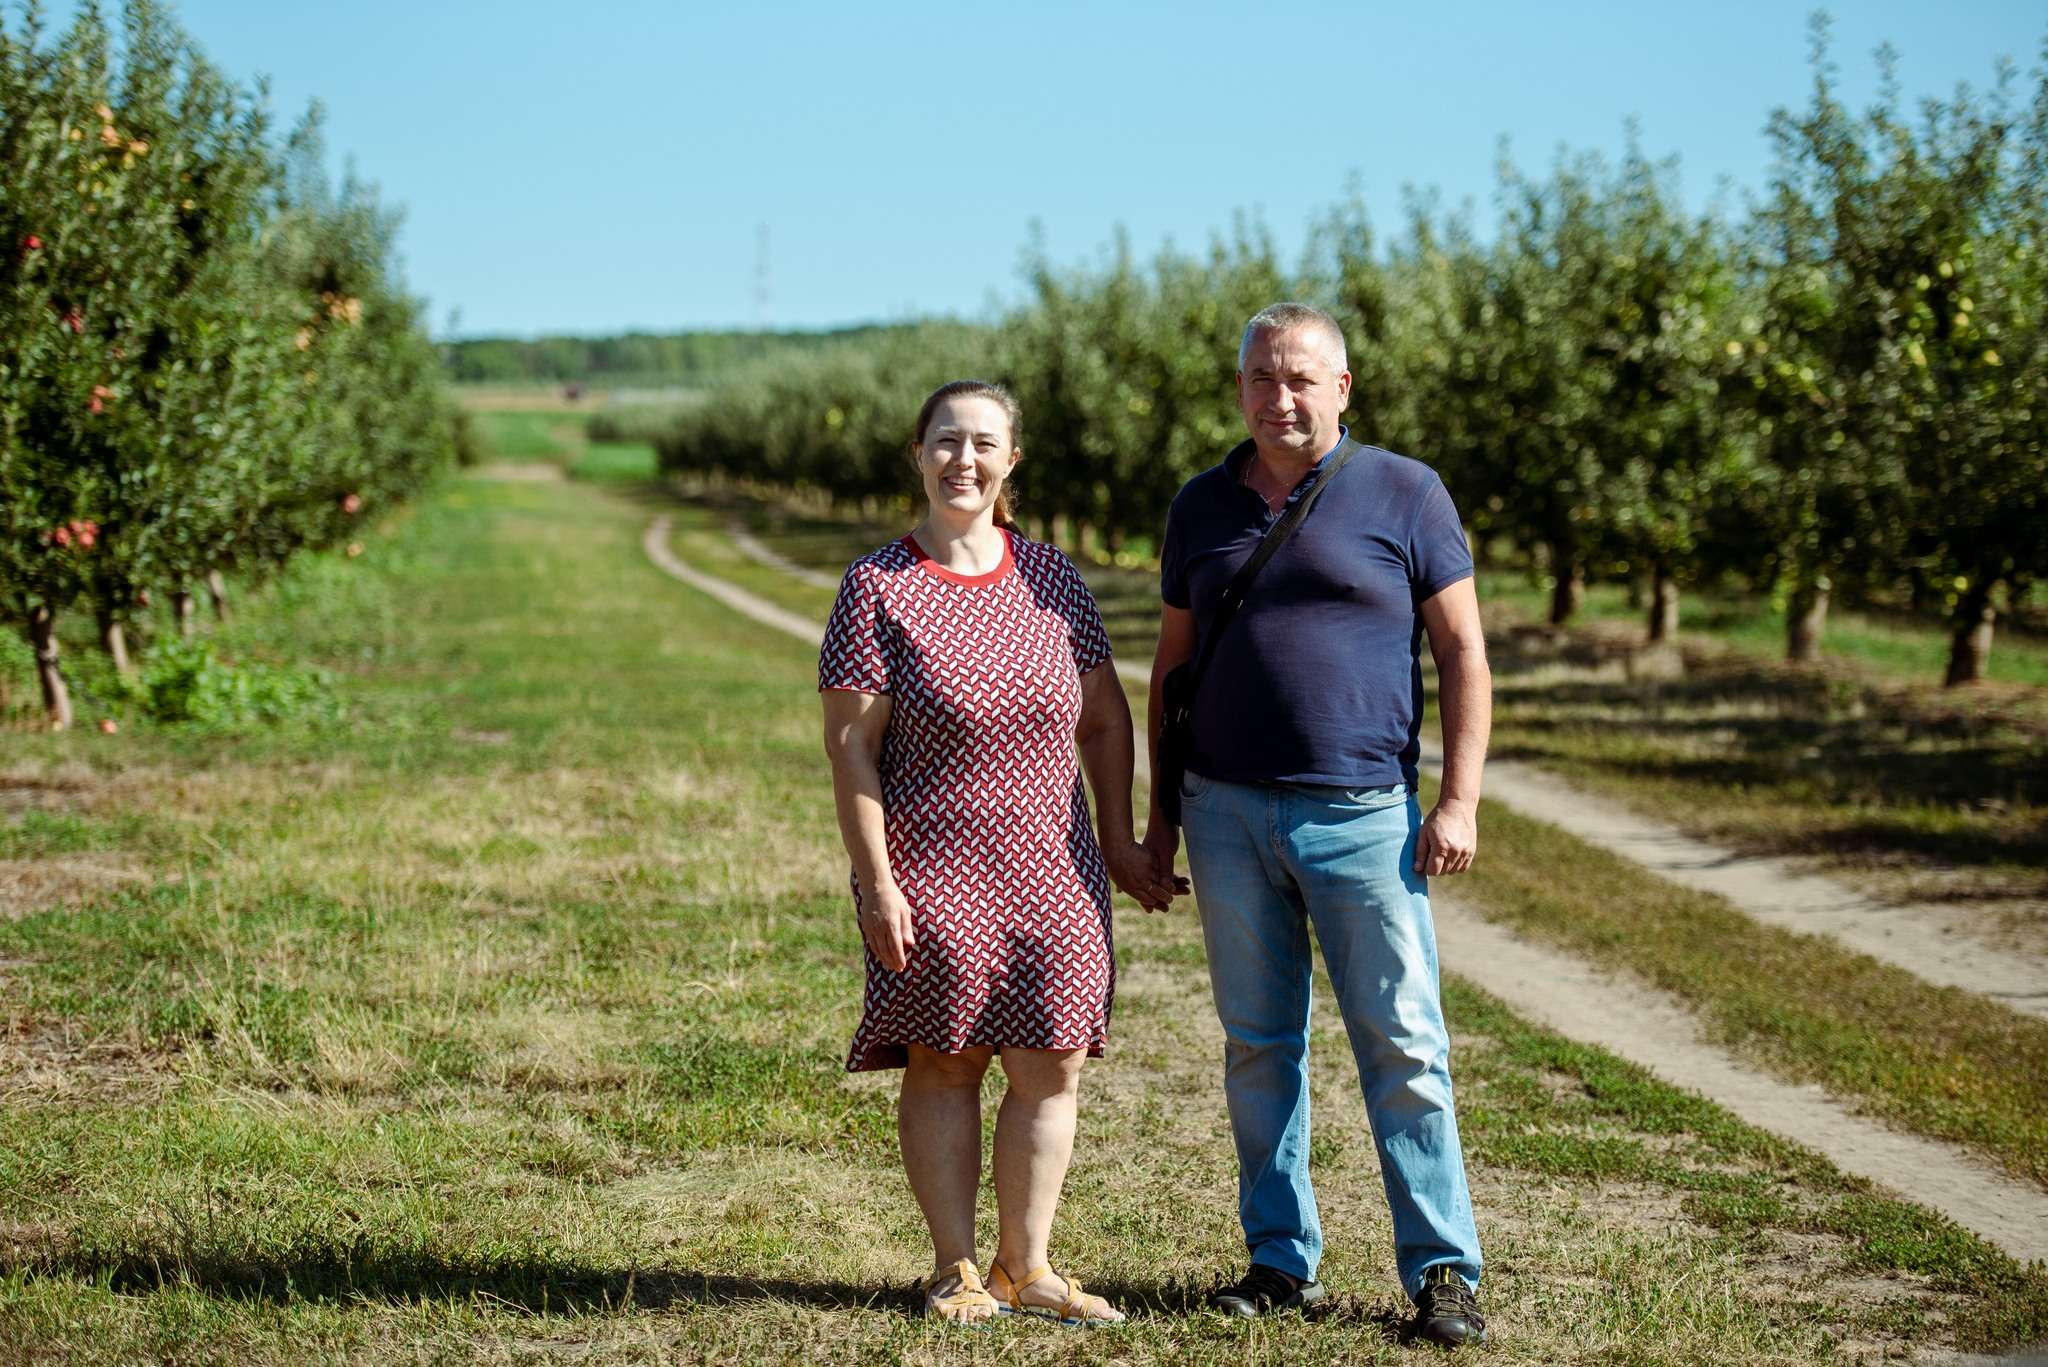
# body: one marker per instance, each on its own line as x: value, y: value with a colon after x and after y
x: 1176, y: 647
x: 1450, y: 834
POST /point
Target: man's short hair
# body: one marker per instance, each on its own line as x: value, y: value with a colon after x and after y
x: 1291, y: 318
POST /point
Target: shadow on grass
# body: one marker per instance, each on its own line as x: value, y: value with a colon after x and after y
x: 1813, y: 734
x: 538, y: 1285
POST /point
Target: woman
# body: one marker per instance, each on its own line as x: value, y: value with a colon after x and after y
x: 961, y: 665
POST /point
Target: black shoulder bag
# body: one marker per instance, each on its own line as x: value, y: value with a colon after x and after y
x: 1177, y: 690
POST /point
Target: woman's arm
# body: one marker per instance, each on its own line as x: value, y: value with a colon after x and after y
x: 1107, y: 756
x: 854, y: 726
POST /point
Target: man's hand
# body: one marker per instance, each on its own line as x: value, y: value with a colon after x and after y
x: 1162, y: 842
x: 1133, y: 868
x: 885, y: 924
x: 1449, y: 839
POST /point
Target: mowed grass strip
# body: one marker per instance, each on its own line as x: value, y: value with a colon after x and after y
x: 507, y: 1024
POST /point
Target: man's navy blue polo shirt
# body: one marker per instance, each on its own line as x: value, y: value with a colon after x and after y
x: 1319, y: 680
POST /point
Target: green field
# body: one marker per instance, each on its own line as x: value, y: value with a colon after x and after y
x: 502, y: 1019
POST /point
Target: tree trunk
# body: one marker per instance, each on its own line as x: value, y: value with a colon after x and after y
x: 1970, y: 647
x: 42, y: 636
x: 114, y: 640
x: 1806, y: 618
x: 1663, y: 606
x: 1568, y: 594
x: 217, y: 588
x: 181, y: 602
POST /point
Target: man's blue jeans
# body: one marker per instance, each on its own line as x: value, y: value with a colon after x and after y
x: 1269, y: 860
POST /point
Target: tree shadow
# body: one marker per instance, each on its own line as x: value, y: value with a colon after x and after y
x: 533, y: 1284
x: 338, y: 1272
x: 1735, y: 721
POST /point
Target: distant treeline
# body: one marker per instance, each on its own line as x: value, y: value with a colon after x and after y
x: 678, y: 358
x: 1842, y: 393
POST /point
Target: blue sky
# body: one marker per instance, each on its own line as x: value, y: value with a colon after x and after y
x: 589, y: 167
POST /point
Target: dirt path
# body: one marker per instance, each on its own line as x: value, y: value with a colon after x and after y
x: 1651, y: 1028
x: 655, y: 543
x: 1629, y: 1019
x: 760, y: 552
x: 1777, y: 892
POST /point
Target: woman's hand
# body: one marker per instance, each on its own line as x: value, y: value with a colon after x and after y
x: 1133, y: 869
x: 885, y: 924
x: 1162, y: 842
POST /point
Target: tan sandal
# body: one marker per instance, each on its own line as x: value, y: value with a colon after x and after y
x: 968, y: 1294
x: 1079, y: 1310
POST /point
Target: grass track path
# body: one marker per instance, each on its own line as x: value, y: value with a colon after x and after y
x: 1629, y: 1018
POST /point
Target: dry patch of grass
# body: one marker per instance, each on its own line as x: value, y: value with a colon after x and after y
x: 48, y: 1061
x: 65, y: 880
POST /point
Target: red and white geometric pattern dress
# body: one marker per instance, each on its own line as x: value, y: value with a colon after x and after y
x: 986, y: 819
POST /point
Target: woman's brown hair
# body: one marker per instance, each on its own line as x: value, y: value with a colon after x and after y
x: 975, y: 389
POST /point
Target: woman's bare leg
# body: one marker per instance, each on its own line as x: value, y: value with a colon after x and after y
x: 938, y: 1125
x: 1034, y: 1142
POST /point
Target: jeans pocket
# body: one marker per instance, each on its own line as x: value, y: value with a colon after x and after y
x: 1192, y: 786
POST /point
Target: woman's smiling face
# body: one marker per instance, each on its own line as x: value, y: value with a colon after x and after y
x: 967, y: 454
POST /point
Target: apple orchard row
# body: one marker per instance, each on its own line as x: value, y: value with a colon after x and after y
x: 208, y: 363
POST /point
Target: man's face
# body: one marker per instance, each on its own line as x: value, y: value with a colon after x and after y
x: 1291, y: 395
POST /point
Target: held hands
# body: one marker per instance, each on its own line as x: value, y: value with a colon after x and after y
x: 1449, y: 839
x: 1136, y: 869
x: 885, y: 924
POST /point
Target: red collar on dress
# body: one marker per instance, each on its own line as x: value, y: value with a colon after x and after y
x: 925, y: 562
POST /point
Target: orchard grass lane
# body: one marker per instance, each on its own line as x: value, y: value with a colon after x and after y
x: 506, y: 1022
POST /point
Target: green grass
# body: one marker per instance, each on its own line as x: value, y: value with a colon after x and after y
x: 525, y: 436
x: 505, y: 1021
x: 614, y: 462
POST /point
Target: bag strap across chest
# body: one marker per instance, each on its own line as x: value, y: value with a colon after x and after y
x: 1240, y: 586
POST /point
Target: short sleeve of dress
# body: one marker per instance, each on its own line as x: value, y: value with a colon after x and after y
x: 855, y: 655
x: 1084, y: 619
x: 1437, y: 554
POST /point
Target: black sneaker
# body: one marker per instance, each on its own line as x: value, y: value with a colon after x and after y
x: 1265, y: 1291
x: 1446, y: 1311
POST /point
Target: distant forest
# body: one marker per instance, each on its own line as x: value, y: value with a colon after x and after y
x: 647, y: 358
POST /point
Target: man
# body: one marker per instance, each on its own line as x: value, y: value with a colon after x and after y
x: 1300, y: 807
